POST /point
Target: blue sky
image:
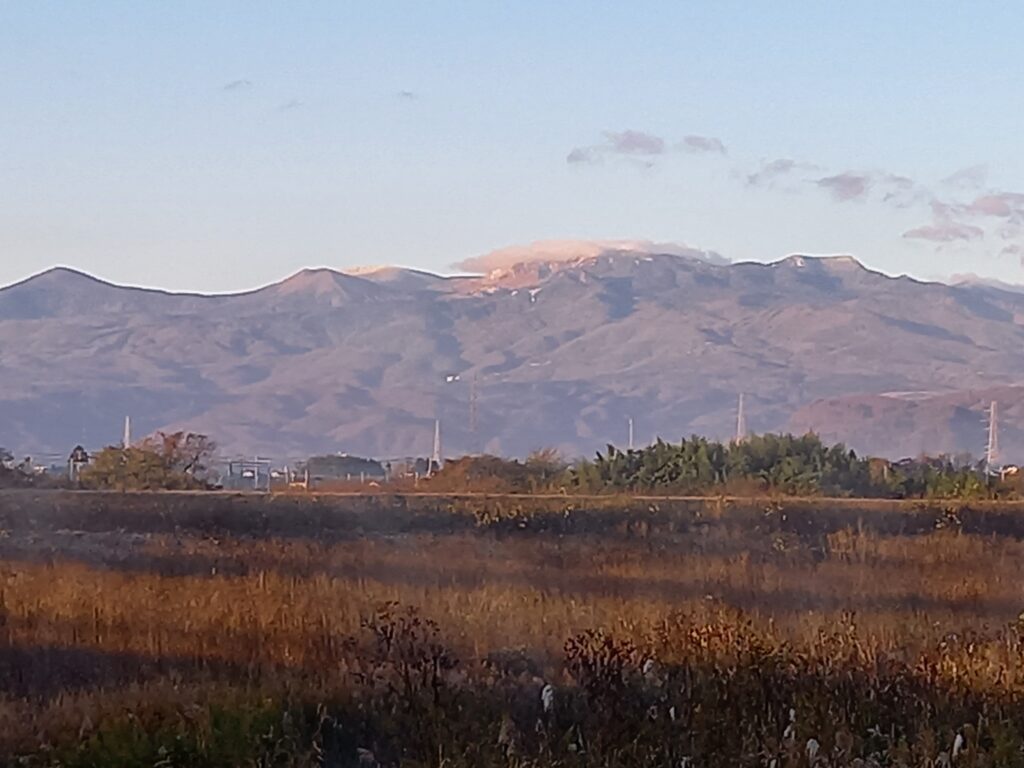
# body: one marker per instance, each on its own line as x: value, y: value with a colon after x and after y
x: 223, y: 145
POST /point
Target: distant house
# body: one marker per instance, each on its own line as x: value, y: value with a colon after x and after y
x: 939, y: 463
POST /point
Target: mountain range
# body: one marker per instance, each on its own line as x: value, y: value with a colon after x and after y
x: 536, y: 354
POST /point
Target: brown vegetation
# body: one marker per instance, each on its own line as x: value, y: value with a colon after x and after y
x: 543, y: 471
x: 414, y: 636
x: 176, y: 461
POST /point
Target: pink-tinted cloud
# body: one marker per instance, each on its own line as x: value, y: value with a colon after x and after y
x: 845, y: 187
x: 635, y: 143
x: 643, y: 147
x: 954, y: 221
x: 772, y: 170
x: 945, y: 232
x: 999, y: 204
x: 703, y: 144
x: 893, y: 189
x: 628, y: 143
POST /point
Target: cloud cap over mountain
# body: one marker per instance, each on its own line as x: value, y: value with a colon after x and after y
x: 576, y: 250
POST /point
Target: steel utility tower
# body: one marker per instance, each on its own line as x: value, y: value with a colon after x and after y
x: 992, y: 449
x: 741, y: 420
x: 436, y: 460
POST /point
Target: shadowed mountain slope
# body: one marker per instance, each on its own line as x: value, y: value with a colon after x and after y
x: 562, y: 354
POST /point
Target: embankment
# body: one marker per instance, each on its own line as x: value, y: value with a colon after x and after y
x: 346, y: 516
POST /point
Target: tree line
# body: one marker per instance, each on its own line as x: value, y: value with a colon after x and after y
x: 761, y: 464
x: 175, y: 461
x: 772, y: 463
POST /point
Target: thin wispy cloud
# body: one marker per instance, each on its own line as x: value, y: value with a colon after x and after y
x: 795, y: 176
x: 1014, y: 250
x: 946, y: 211
x: 957, y: 208
x: 408, y: 95
x: 954, y: 221
x: 946, y: 226
x: 772, y: 170
x: 1011, y: 231
x: 999, y: 204
x: 643, y: 147
x: 580, y: 155
x: 847, y: 186
x: 635, y: 143
x: 900, y: 182
x: 289, y: 105
x: 900, y: 191
x: 237, y: 85
x: 890, y: 189
x: 945, y: 232
x: 703, y: 144
x: 972, y: 177
x: 628, y: 143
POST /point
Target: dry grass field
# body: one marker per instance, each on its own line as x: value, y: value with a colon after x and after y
x: 190, y: 630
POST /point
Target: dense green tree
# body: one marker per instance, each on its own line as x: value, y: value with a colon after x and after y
x: 793, y: 465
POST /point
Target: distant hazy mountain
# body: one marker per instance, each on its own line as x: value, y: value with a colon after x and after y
x: 560, y: 353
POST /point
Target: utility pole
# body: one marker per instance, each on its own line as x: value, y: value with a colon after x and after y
x: 992, y: 449
x: 741, y: 420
